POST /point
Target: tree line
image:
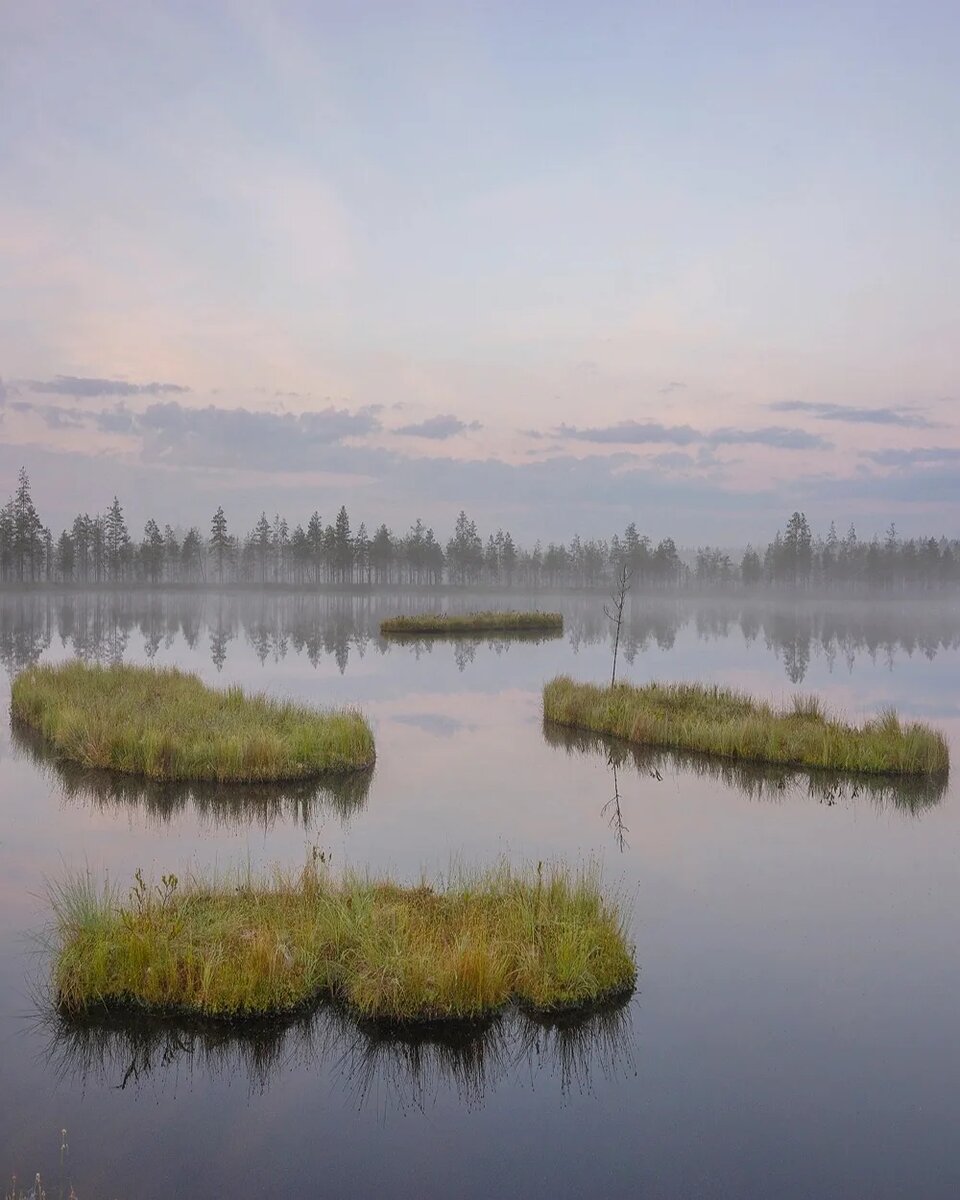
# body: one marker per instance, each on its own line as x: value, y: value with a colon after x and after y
x: 101, y: 549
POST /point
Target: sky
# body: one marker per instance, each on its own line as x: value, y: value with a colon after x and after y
x: 563, y: 265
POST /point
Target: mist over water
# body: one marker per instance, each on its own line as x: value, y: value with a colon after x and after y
x: 792, y: 1033
x: 99, y: 625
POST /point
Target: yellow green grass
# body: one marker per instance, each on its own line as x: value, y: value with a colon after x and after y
x: 168, y: 725
x: 914, y: 794
x: 720, y: 721
x: 479, y: 622
x: 548, y: 940
x: 299, y: 801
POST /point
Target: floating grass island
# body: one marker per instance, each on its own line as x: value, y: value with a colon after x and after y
x: 913, y: 794
x: 383, y: 1062
x: 547, y: 940
x: 480, y: 622
x: 720, y: 721
x: 167, y: 725
x: 299, y: 801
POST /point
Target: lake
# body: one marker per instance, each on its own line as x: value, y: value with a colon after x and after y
x: 793, y: 1032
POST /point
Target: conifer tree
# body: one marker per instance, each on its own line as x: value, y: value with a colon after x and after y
x: 219, y: 541
x: 117, y: 540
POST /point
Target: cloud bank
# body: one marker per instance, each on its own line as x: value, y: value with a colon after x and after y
x: 438, y: 428
x: 638, y: 433
x: 242, y: 437
x: 906, y: 417
x: 82, y: 388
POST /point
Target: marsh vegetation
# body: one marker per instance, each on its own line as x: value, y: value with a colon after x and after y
x: 302, y: 802
x: 168, y: 725
x: 723, y: 831
x: 913, y: 794
x: 479, y: 622
x: 730, y: 724
x: 548, y: 939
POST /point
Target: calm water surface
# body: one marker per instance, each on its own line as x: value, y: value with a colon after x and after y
x: 794, y: 1029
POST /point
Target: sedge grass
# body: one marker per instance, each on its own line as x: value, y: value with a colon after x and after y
x: 547, y: 940
x: 720, y: 721
x: 913, y: 794
x: 168, y: 725
x: 479, y: 622
x: 300, y: 801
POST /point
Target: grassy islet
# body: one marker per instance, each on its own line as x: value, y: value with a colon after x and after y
x: 732, y: 725
x: 546, y: 939
x: 165, y: 724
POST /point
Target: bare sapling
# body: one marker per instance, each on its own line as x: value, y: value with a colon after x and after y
x: 614, y: 611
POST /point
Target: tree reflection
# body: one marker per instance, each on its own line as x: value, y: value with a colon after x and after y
x: 464, y: 647
x: 340, y: 625
x: 612, y: 811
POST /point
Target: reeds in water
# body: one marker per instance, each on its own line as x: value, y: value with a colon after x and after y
x: 727, y: 723
x: 168, y: 725
x: 548, y: 940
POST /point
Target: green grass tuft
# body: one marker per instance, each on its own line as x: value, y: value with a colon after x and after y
x: 168, y: 725
x: 547, y: 940
x: 481, y: 622
x: 715, y: 720
x: 914, y: 794
x: 301, y: 801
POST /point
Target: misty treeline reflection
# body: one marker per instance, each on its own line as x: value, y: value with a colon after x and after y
x: 403, y: 1067
x: 758, y: 781
x: 98, y: 625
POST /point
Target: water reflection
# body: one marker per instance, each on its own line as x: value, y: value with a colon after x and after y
x: 464, y: 647
x: 389, y: 1067
x: 612, y: 810
x: 339, y: 626
x: 758, y: 781
x: 300, y: 802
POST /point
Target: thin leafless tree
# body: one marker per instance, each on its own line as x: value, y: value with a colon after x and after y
x: 615, y: 613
